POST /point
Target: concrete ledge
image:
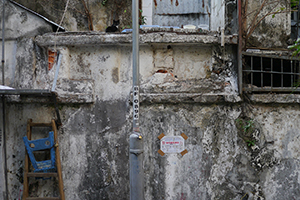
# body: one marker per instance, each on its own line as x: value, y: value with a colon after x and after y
x: 188, y: 98
x: 94, y: 38
x: 275, y: 98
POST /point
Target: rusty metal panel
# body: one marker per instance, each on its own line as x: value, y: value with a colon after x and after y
x: 173, y: 7
x: 181, y: 12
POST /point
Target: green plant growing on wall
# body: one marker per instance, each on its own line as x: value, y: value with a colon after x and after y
x: 103, y: 3
x: 249, y: 124
x: 245, y: 124
x: 250, y: 143
x: 142, y: 18
x: 246, y: 127
x: 295, y: 47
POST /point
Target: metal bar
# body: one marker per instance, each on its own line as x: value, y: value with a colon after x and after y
x: 271, y: 72
x: 298, y: 71
x: 28, y: 92
x: 291, y: 72
x: 281, y: 72
x: 3, y: 42
x: 136, y: 143
x: 298, y: 13
x: 252, y: 71
x: 270, y: 56
x: 5, y: 195
x: 240, y: 48
x: 56, y: 71
x: 268, y: 89
x: 261, y: 72
x: 135, y: 64
x: 274, y: 72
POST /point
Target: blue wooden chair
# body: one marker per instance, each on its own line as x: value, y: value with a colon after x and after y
x: 38, y: 145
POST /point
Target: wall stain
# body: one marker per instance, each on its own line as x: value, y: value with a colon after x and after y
x: 115, y: 75
x: 155, y: 3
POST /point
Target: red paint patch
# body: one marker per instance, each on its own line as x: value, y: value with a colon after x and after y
x: 162, y: 71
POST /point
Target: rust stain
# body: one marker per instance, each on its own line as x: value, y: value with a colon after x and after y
x: 155, y: 3
x: 203, y: 5
x: 176, y: 4
x: 171, y: 1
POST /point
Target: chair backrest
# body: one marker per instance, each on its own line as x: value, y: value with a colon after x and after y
x: 38, y: 145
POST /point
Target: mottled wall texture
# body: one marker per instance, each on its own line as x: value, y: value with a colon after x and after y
x: 239, y: 146
x: 267, y: 24
x: 82, y: 15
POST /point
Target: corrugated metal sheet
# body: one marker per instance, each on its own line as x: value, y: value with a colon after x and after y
x: 180, y: 20
x: 181, y: 12
x: 171, y: 7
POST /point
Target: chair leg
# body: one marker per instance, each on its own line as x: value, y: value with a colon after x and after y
x: 25, y: 180
x: 58, y: 162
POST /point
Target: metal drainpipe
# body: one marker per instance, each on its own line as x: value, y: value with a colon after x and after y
x: 5, y: 195
x: 136, y: 144
x: 240, y: 47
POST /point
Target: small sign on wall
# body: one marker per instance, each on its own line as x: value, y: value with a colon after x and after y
x: 135, y: 103
x: 172, y: 144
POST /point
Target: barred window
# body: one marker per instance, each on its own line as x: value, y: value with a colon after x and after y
x: 270, y: 73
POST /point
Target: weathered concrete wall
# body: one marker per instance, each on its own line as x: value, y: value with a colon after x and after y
x: 271, y: 31
x: 231, y: 17
x: 239, y: 147
x: 235, y: 149
x: 76, y: 18
x: 21, y: 23
x: 219, y: 165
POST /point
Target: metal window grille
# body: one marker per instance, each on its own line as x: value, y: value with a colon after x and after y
x: 270, y: 73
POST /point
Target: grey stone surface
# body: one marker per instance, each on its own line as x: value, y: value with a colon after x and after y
x: 239, y: 147
x: 96, y: 38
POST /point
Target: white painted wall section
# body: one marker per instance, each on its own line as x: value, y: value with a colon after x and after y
x: 147, y: 8
x: 217, y: 18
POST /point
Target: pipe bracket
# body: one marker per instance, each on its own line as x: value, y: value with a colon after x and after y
x: 137, y: 151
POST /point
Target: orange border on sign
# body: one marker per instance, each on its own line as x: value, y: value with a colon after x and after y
x: 184, y: 136
x: 184, y: 152
x: 161, y: 152
x: 161, y: 136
